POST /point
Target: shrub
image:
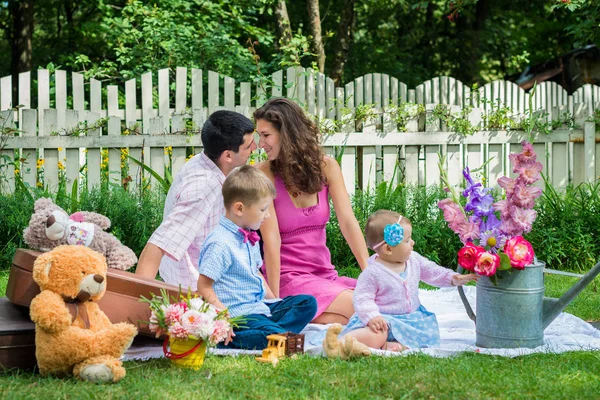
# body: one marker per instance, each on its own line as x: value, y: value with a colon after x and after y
x: 133, y: 218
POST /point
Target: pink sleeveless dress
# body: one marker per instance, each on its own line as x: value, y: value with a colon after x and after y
x: 305, y: 259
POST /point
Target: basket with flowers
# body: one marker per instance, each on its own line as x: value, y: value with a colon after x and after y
x: 190, y: 324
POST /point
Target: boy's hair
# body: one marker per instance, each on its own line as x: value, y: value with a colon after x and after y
x: 224, y: 130
x: 248, y: 185
x: 377, y: 223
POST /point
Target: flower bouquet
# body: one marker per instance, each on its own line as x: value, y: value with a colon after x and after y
x: 190, y: 323
x: 490, y: 230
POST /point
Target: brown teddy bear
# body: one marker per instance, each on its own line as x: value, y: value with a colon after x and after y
x: 72, y: 335
x: 346, y: 348
x: 51, y: 226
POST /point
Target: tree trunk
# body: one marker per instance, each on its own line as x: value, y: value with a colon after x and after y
x: 344, y: 36
x: 22, y: 32
x: 283, y: 24
x: 314, y: 18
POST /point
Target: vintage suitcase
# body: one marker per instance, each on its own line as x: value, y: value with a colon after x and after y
x: 17, y: 336
x: 121, y: 302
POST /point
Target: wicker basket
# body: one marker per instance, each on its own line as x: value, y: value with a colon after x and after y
x: 188, y: 353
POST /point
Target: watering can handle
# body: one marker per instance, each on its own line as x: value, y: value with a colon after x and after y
x: 463, y: 297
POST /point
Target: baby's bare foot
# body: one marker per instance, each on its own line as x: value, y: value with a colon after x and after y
x: 393, y: 346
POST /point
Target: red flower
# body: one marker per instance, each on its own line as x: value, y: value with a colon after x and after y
x: 519, y: 251
x: 468, y: 255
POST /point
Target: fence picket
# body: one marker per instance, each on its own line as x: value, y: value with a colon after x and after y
x: 28, y: 127
x: 71, y: 164
x: 197, y: 99
x: 5, y: 93
x: 7, y: 182
x: 229, y: 93
x: 25, y: 89
x: 130, y: 103
x: 213, y: 91
x: 180, y: 90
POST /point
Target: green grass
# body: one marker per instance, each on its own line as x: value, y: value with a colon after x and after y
x: 472, y: 376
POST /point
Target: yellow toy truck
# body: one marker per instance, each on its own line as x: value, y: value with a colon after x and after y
x: 281, y: 345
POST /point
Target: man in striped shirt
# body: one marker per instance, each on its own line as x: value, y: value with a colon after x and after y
x: 194, y: 203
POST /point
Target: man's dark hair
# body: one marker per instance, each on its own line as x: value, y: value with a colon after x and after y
x: 224, y: 130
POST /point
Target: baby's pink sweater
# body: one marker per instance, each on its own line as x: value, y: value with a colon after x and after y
x: 382, y: 291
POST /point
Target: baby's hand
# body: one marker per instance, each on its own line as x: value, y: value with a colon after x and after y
x: 459, y: 280
x: 378, y: 324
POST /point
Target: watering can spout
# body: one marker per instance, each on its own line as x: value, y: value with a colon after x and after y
x: 552, y: 307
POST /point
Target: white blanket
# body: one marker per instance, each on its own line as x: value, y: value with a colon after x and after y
x: 457, y: 333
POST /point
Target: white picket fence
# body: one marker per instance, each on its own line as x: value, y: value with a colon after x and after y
x: 161, y: 110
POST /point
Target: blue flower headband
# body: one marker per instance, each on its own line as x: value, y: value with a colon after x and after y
x: 392, y: 234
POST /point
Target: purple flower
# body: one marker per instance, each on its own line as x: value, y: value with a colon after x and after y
x: 479, y: 200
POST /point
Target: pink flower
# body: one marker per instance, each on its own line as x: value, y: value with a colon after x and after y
x: 452, y: 214
x: 523, y: 218
x: 527, y: 156
x: 519, y: 251
x: 524, y: 196
x: 468, y: 255
x: 506, y: 183
x: 174, y: 312
x: 178, y: 331
x: 487, y: 263
x: 468, y: 231
x: 529, y: 173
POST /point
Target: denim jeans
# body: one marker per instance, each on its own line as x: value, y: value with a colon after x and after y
x: 290, y: 314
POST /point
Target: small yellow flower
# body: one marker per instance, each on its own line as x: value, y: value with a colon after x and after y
x: 17, y: 171
x: 60, y: 149
x: 252, y: 162
x: 40, y: 163
x: 61, y: 166
x: 40, y: 184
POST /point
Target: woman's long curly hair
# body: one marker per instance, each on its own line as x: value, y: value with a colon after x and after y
x: 300, y: 160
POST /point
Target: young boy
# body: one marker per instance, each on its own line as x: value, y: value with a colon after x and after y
x: 230, y: 264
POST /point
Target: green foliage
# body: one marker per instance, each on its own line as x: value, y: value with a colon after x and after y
x: 133, y: 218
x: 565, y: 233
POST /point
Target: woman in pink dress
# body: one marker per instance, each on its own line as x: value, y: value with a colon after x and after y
x: 297, y: 261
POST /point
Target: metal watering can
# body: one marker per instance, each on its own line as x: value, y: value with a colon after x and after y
x: 514, y: 313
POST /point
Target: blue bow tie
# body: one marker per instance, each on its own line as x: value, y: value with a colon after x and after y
x: 251, y: 236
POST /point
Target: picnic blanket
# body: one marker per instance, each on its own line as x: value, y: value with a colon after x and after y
x: 457, y: 333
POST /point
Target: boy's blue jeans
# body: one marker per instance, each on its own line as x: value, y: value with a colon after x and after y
x: 290, y: 314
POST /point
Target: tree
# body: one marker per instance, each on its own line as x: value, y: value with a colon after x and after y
x: 344, y: 36
x: 314, y: 19
x: 284, y: 28
x: 19, y: 32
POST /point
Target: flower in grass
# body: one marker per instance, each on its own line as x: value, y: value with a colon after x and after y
x: 519, y: 251
x: 468, y: 255
x: 487, y: 264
